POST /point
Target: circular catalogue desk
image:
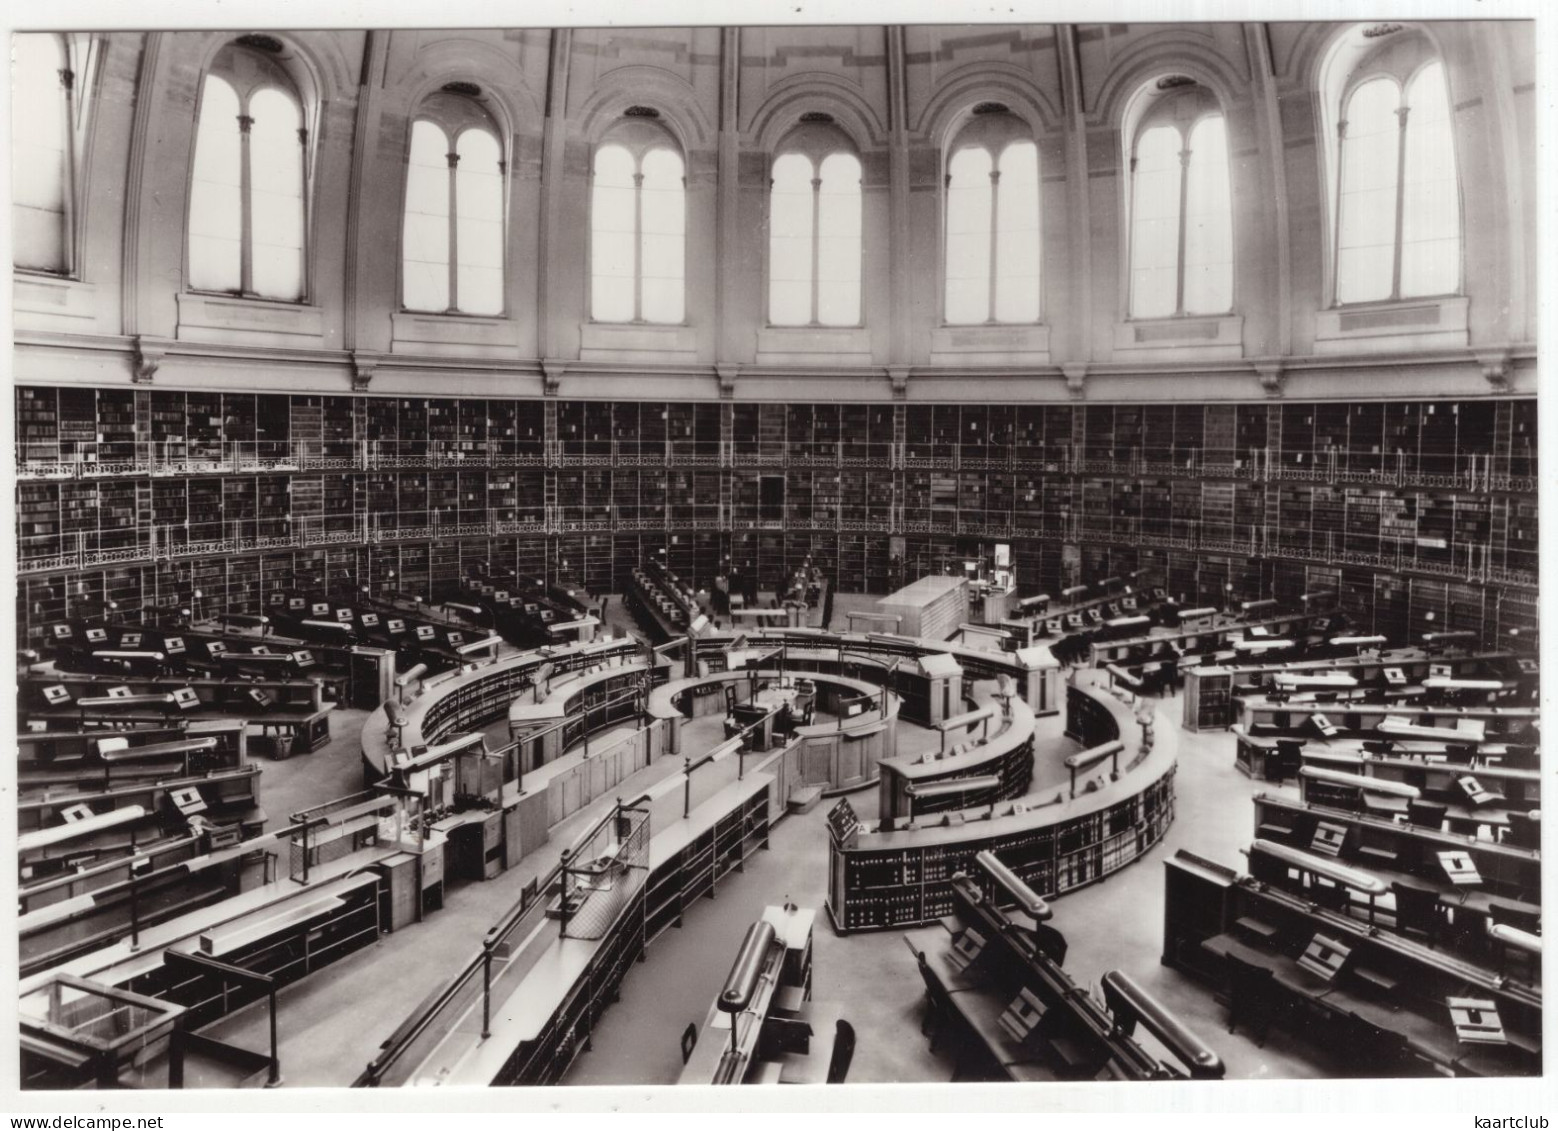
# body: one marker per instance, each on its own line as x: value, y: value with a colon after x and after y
x: 880, y: 877
x: 835, y: 755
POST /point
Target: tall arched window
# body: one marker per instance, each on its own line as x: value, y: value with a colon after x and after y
x: 453, y: 233
x: 248, y: 192
x: 1181, y: 226
x: 1396, y: 194
x: 638, y: 225
x: 992, y: 202
x: 43, y: 153
x: 814, y: 229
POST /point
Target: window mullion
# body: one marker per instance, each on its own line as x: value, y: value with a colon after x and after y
x: 1131, y: 248
x: 67, y: 80
x: 307, y: 287
x: 245, y: 209
x: 638, y: 246
x: 816, y: 251
x: 454, y: 245
x: 1179, y: 248
x: 1401, y: 182
x: 1336, y: 220
x: 995, y: 246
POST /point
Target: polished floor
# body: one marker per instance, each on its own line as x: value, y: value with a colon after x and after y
x: 332, y: 1024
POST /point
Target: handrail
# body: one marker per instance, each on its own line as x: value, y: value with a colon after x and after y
x: 1128, y: 1003
x: 426, y: 1013
x: 422, y: 1018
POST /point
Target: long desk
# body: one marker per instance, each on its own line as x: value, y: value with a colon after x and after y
x: 1001, y: 975
x: 1364, y: 718
x: 1217, y: 922
x: 733, y: 1048
x: 1211, y: 690
x: 549, y: 991
x: 295, y: 708
x: 1193, y: 639
x: 898, y: 877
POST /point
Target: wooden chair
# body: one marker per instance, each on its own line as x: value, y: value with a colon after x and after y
x: 1252, y: 998
x: 1428, y: 814
x: 843, y: 1052
x: 938, y: 1002
x: 1417, y: 911
x: 1525, y: 831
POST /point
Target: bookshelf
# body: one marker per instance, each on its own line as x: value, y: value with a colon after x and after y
x: 1208, y: 698
x: 899, y: 879
x: 37, y: 426
x: 1422, y: 491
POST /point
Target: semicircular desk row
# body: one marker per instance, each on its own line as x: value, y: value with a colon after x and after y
x: 929, y: 685
x: 556, y: 784
x: 836, y: 755
x: 898, y: 871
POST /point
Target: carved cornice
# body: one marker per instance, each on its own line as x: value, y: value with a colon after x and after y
x: 1495, y: 367
x: 1076, y: 377
x: 727, y: 372
x: 364, y: 365
x: 149, y: 353
x: 1272, y: 372
x: 552, y: 370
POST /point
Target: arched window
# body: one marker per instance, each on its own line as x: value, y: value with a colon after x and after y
x: 453, y: 234
x: 248, y: 192
x: 814, y: 229
x: 992, y: 202
x: 638, y: 225
x: 1398, y: 230
x: 1181, y: 226
x: 43, y: 153
x: 1393, y: 186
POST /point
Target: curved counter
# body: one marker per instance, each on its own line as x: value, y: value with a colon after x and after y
x: 1036, y: 672
x: 833, y: 755
x: 467, y: 700
x: 1006, y: 755
x: 890, y: 878
x: 577, y: 705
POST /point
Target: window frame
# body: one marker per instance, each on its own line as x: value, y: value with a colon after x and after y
x: 638, y: 137
x: 300, y: 93
x: 816, y: 141
x: 455, y: 114
x: 1013, y: 128
x: 80, y: 53
x: 1374, y: 68
x: 1160, y: 113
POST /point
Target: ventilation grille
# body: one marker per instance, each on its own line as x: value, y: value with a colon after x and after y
x: 469, y: 89
x: 640, y: 112
x: 992, y: 108
x: 1170, y: 82
x: 1177, y: 332
x: 816, y: 116
x: 1382, y: 319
